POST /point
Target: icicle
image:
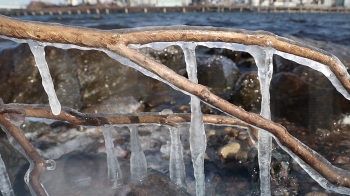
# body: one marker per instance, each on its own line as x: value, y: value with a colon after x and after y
x: 114, y: 171
x: 39, y: 55
x: 5, y: 184
x: 263, y: 59
x: 198, y: 138
x: 176, y: 166
x: 138, y: 163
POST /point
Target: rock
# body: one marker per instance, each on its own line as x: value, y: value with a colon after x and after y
x: 157, y: 184
x: 316, y: 193
x: 342, y: 160
x: 217, y: 72
x: 298, y: 101
x: 115, y: 105
x: 247, y: 90
x: 166, y: 56
x: 243, y: 135
x: 229, y: 150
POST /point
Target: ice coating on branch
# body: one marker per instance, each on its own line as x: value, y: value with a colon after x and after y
x: 263, y: 59
x: 198, y: 138
x: 321, y: 68
x: 154, y: 45
x: 138, y: 163
x: 313, y: 173
x: 114, y: 171
x: 5, y: 184
x: 39, y: 56
x: 176, y: 165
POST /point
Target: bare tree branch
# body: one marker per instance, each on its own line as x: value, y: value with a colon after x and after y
x: 118, y: 40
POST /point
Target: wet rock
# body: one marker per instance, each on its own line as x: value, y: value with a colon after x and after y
x: 101, y: 77
x: 229, y: 150
x: 20, y: 79
x: 316, y: 193
x: 247, y: 90
x: 166, y: 56
x: 298, y: 101
x: 115, y: 105
x: 156, y: 184
x: 217, y: 72
x: 342, y: 160
x: 243, y: 135
x: 12, y: 158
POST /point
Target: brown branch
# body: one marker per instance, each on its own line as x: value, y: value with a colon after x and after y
x: 97, y: 119
x: 29, y: 150
x: 117, y: 42
x: 114, y: 40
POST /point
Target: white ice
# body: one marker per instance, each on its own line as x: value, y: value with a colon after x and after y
x: 176, y: 165
x: 39, y: 56
x: 114, y: 171
x: 263, y: 59
x: 5, y: 184
x: 198, y: 140
x: 138, y: 163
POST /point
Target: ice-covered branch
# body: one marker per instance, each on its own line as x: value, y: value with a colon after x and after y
x: 5, y: 184
x: 117, y: 41
x: 10, y: 119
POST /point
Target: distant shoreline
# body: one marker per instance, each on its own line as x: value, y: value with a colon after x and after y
x: 102, y: 9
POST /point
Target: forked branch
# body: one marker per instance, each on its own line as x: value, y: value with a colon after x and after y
x: 118, y: 40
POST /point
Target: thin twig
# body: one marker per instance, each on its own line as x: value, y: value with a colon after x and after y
x: 29, y: 150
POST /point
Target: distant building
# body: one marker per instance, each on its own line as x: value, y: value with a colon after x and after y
x: 170, y: 3
x: 347, y: 3
x: 40, y: 5
x: 90, y: 2
x: 72, y: 2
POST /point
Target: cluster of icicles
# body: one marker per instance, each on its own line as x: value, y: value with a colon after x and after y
x: 138, y: 165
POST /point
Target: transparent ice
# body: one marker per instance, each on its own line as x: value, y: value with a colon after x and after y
x: 5, y: 184
x: 176, y: 165
x: 114, y: 171
x: 39, y: 56
x: 138, y: 164
x: 263, y: 59
x: 198, y: 140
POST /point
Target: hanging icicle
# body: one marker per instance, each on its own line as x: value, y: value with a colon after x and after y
x: 263, y: 59
x: 198, y: 138
x: 138, y: 163
x: 177, y: 165
x: 39, y: 56
x: 114, y: 171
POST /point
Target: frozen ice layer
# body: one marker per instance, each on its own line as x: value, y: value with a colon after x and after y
x: 198, y: 140
x: 39, y: 56
x: 176, y: 165
x: 263, y: 59
x: 138, y: 163
x: 114, y: 171
x: 5, y: 184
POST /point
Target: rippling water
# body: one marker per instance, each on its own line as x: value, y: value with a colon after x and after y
x: 326, y: 27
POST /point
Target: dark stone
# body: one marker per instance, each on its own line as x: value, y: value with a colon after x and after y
x: 157, y: 184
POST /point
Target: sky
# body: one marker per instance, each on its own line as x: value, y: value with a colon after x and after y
x: 26, y: 2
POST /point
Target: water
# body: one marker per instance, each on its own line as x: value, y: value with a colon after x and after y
x: 326, y: 27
